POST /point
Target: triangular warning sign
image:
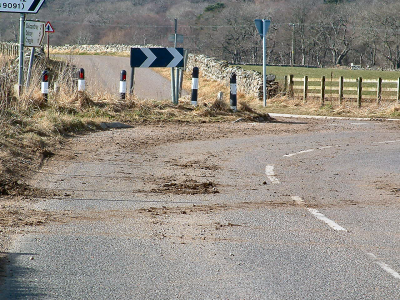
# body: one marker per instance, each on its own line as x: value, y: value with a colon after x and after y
x: 48, y: 27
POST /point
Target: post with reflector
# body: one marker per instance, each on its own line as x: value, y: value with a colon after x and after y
x: 233, y: 93
x: 122, y: 85
x: 195, y: 85
x: 45, y: 85
x: 81, y: 80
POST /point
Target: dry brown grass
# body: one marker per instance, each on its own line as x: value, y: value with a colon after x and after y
x: 331, y: 107
x: 209, y: 89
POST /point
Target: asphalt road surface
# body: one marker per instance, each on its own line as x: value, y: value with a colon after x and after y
x: 300, y: 209
x: 102, y: 75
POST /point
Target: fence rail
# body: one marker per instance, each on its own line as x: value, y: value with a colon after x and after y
x: 9, y: 49
x: 342, y: 88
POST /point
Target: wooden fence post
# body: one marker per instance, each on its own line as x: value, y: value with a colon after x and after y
x: 305, y: 88
x: 379, y: 91
x: 322, y: 90
x: 285, y: 88
x: 341, y: 81
x: 291, y: 83
x: 398, y: 90
x: 359, y: 91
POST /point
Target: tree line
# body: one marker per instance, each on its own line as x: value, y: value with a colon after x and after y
x: 302, y: 32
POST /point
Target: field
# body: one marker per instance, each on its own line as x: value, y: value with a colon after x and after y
x: 331, y: 106
x: 280, y: 72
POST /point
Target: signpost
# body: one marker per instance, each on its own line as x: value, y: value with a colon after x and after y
x: 179, y: 38
x: 263, y: 26
x: 34, y: 33
x: 49, y: 29
x: 23, y: 7
x: 157, y: 58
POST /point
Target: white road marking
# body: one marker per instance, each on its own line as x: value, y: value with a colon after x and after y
x: 387, y: 142
x: 309, y: 150
x: 384, y: 266
x: 319, y: 215
x: 300, y: 152
x: 269, y: 171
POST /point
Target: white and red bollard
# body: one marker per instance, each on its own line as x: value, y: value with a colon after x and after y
x: 81, y: 80
x: 195, y: 85
x: 233, y: 93
x: 45, y: 85
x: 122, y: 85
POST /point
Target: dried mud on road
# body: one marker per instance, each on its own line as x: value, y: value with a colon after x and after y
x: 16, y: 213
x: 15, y: 210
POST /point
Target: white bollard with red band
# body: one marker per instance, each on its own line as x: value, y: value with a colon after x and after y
x: 122, y: 85
x: 45, y: 85
x: 81, y: 80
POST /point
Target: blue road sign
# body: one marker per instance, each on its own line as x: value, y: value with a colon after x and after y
x: 259, y: 25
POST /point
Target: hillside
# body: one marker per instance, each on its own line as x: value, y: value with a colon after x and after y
x: 303, y: 32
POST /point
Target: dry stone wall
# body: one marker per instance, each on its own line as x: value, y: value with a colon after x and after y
x: 248, y: 82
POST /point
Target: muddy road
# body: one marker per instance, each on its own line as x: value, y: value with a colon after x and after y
x: 296, y: 209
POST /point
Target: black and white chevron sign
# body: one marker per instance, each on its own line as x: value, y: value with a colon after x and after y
x: 156, y: 57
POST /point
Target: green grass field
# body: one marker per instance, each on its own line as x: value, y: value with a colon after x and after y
x: 280, y: 72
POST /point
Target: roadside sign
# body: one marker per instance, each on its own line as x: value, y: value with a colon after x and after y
x: 179, y: 38
x: 259, y: 25
x: 49, y: 28
x: 34, y: 33
x: 21, y: 6
x: 156, y: 57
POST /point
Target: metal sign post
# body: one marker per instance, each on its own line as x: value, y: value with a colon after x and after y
x: 263, y: 26
x: 21, y: 53
x: 174, y: 80
x: 49, y: 29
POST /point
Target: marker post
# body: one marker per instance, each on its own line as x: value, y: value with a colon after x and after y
x: 122, y: 85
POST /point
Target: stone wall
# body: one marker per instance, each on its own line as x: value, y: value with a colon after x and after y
x: 248, y: 82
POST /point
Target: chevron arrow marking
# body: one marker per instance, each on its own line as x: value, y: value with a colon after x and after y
x: 156, y: 57
x: 150, y: 57
x: 177, y: 57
